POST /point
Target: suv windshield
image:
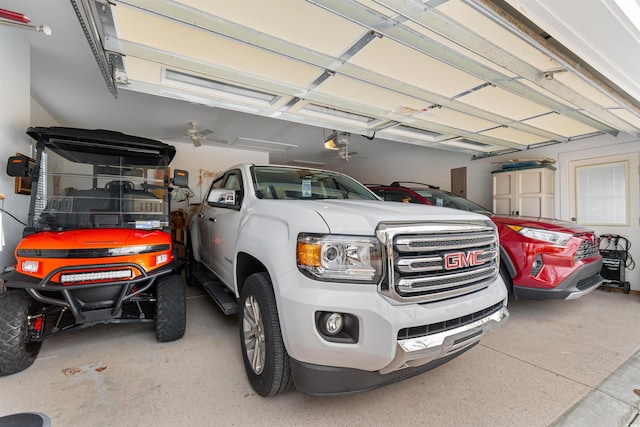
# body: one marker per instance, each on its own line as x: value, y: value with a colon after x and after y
x: 450, y: 200
x: 281, y: 182
x: 84, y: 185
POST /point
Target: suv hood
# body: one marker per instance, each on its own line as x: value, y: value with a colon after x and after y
x: 545, y: 223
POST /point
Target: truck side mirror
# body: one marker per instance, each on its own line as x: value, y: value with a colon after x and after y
x: 18, y: 166
x: 180, y: 178
x: 222, y: 195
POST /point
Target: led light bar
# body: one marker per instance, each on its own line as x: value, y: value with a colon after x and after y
x: 94, y: 276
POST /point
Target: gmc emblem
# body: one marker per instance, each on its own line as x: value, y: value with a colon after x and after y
x: 456, y: 260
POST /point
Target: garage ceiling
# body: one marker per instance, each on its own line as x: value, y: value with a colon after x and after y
x: 475, y: 76
x: 466, y: 75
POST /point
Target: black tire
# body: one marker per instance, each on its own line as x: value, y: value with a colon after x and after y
x: 189, y: 265
x: 16, y: 352
x: 171, y: 308
x: 627, y: 287
x: 265, y: 358
x: 506, y: 278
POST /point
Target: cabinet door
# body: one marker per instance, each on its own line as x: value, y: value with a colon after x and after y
x: 527, y: 192
x: 503, y: 193
x: 534, y: 196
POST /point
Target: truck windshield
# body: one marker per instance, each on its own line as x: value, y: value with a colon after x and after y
x: 112, y: 191
x: 283, y: 182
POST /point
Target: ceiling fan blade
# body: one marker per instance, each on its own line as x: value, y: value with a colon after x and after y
x: 196, y: 142
x: 205, y: 132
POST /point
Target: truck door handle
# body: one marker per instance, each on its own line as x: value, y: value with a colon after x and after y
x: 212, y: 218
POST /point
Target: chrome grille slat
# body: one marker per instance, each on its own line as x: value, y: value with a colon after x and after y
x: 430, y: 284
x: 419, y: 264
x: 437, y: 261
x: 442, y: 242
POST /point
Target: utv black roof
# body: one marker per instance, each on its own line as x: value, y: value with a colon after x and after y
x: 93, y: 146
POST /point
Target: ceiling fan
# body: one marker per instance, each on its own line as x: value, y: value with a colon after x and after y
x: 196, y: 135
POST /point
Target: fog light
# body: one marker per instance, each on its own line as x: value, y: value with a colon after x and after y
x: 337, y: 327
x: 536, y: 266
x: 333, y: 323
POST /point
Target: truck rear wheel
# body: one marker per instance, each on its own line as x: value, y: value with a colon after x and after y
x: 16, y: 352
x: 171, y: 308
x: 265, y: 358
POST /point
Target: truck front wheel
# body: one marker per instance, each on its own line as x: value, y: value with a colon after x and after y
x: 265, y: 358
x: 16, y: 351
x: 171, y: 308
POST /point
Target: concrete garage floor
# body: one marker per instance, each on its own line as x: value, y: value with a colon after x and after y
x: 550, y: 356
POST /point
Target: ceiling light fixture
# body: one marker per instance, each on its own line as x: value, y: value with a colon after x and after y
x: 336, y: 141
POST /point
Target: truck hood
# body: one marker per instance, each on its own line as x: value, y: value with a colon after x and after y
x: 362, y: 216
x: 545, y: 223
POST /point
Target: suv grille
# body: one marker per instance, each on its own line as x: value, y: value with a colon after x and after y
x: 587, y: 249
x: 437, y: 261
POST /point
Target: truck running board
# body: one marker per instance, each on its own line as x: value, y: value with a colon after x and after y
x: 218, y: 291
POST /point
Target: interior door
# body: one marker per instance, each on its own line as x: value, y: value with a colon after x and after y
x: 459, y: 181
x: 604, y: 197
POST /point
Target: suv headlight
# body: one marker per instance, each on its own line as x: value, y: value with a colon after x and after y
x: 340, y: 258
x: 544, y: 235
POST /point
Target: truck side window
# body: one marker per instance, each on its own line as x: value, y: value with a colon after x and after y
x: 226, y: 190
x: 234, y: 182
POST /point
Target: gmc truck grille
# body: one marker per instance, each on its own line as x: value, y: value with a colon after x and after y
x: 587, y: 249
x: 419, y: 331
x: 437, y: 261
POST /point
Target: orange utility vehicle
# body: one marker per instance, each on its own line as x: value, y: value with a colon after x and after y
x: 97, y: 246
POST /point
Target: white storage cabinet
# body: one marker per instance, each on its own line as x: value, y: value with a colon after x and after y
x: 524, y: 192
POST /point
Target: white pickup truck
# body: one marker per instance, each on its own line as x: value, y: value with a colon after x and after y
x: 336, y: 290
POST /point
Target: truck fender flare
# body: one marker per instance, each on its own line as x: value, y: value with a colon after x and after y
x: 189, y: 238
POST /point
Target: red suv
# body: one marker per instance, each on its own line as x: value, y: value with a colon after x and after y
x: 539, y: 258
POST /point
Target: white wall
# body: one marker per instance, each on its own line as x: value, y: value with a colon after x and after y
x: 14, y: 120
x: 408, y: 163
x: 204, y: 162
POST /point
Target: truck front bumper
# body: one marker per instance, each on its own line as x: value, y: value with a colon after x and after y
x: 413, y: 356
x: 393, y: 340
x: 583, y: 280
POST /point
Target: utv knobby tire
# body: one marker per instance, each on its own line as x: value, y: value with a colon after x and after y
x: 16, y: 352
x: 266, y: 360
x: 171, y: 308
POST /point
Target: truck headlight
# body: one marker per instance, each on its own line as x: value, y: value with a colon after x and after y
x: 544, y: 235
x: 340, y: 258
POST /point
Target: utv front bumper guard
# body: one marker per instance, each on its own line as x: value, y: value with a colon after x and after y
x: 82, y: 313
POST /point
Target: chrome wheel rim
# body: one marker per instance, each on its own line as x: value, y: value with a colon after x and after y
x: 253, y: 331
